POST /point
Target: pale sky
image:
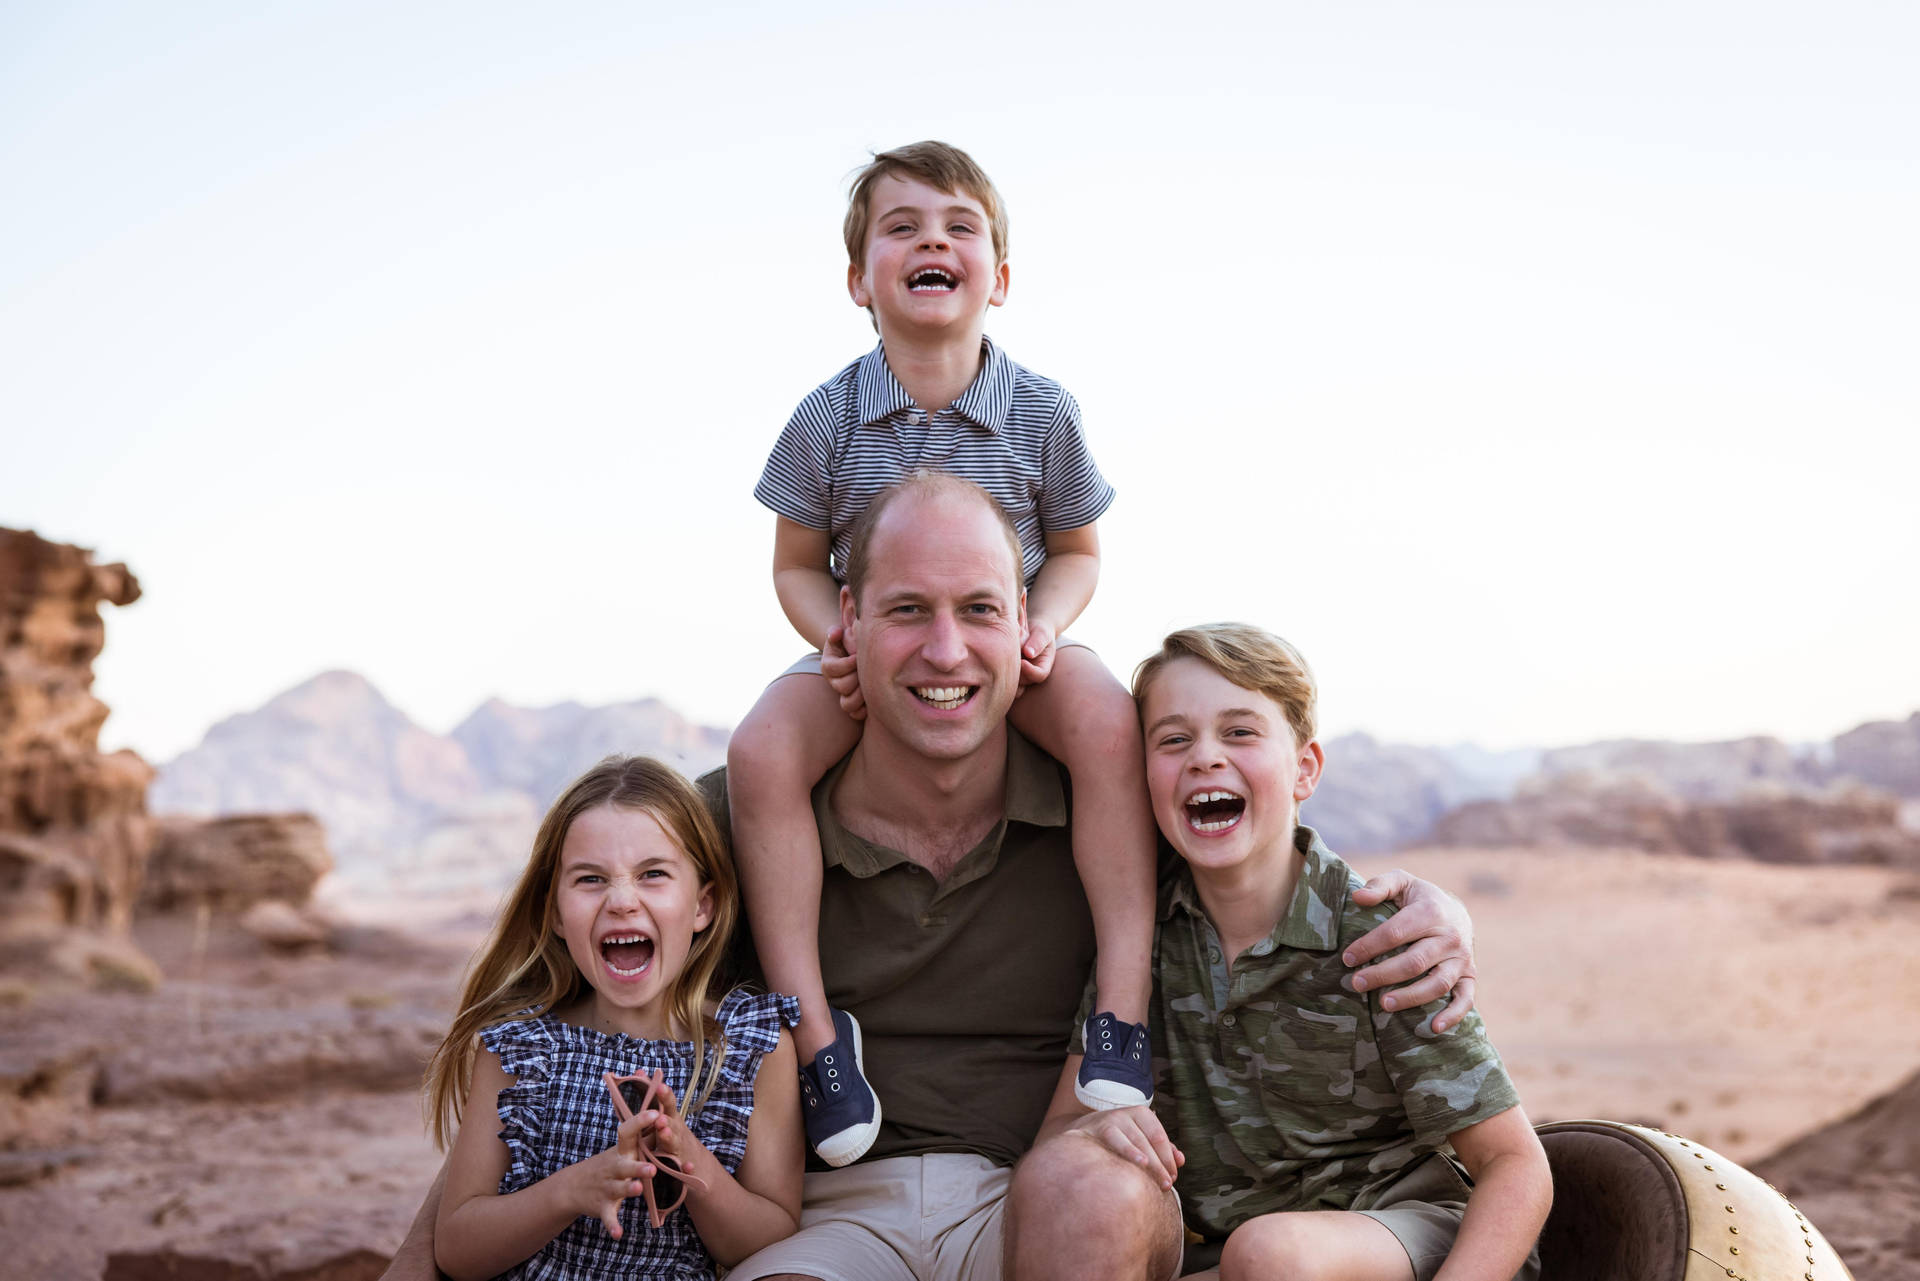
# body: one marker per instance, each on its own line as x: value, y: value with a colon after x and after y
x: 1546, y: 374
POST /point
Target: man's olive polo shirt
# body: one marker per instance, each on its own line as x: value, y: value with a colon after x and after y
x: 965, y: 988
x: 1288, y: 1092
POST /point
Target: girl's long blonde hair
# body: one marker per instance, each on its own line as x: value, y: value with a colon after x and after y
x: 524, y: 967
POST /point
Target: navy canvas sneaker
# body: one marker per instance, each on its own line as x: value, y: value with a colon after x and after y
x: 841, y: 1110
x: 1117, y: 1069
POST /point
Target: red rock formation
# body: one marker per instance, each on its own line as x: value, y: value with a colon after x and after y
x: 231, y: 864
x: 1846, y: 823
x: 74, y: 832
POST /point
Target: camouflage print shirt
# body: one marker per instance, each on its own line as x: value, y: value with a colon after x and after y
x: 1284, y: 1090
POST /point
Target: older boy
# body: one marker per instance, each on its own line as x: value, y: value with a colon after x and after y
x: 1313, y: 1132
x: 926, y: 238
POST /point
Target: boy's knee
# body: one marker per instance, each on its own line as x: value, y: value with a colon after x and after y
x: 1272, y: 1247
x: 764, y: 752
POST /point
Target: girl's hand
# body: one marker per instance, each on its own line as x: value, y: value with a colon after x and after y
x: 1036, y: 652
x: 669, y: 1136
x: 601, y: 1183
x: 837, y: 666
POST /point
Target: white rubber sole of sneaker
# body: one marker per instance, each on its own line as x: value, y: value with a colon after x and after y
x: 1104, y: 1096
x: 850, y: 1144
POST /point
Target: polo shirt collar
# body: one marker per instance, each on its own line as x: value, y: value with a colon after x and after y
x: 878, y: 395
x: 1312, y: 921
x: 1034, y: 796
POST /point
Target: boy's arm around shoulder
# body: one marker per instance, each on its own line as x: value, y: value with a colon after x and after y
x: 1512, y: 1192
x: 737, y: 1214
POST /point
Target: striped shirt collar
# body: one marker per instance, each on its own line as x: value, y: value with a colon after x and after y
x: 1312, y: 921
x: 878, y: 394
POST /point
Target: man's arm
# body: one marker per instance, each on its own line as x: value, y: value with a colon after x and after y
x: 1440, y: 956
x: 413, y: 1261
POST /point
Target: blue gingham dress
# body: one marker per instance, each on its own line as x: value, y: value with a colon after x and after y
x: 558, y: 1111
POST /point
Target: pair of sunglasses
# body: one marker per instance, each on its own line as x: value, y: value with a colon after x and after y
x: 629, y: 1100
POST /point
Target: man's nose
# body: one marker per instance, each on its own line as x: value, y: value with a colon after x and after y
x: 943, y: 646
x: 933, y: 240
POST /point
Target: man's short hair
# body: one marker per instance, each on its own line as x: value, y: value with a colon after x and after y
x: 927, y: 483
x: 1251, y: 658
x: 939, y: 165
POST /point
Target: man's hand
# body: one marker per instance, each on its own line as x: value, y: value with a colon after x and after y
x: 1134, y: 1135
x: 1036, y: 652
x: 1441, y: 955
x: 837, y: 666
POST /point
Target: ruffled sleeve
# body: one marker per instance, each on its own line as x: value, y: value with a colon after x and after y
x: 526, y: 1051
x: 752, y: 1023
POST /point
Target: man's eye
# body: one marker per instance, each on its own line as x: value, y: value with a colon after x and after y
x: 1173, y: 740
x: 965, y: 228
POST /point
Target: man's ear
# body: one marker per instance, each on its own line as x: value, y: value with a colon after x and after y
x: 857, y: 286
x: 1312, y: 761
x: 849, y: 612
x: 998, y: 298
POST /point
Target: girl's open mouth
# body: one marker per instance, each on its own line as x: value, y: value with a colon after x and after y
x: 627, y: 955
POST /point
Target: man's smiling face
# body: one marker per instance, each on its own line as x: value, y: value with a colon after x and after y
x: 929, y: 261
x: 939, y: 624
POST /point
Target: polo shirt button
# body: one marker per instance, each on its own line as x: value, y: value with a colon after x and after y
x: 1227, y: 1019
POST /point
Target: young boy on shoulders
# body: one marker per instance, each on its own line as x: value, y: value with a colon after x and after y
x: 1314, y: 1133
x: 926, y: 238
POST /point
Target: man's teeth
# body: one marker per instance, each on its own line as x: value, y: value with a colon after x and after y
x: 944, y: 697
x: 929, y: 281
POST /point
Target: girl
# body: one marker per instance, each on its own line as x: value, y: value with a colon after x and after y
x: 600, y: 968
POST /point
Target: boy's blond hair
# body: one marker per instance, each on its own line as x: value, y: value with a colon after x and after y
x: 1251, y: 658
x: 939, y: 165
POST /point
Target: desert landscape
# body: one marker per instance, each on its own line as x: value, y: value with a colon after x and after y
x: 214, y: 1012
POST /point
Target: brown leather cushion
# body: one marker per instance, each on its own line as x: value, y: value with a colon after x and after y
x: 1618, y: 1210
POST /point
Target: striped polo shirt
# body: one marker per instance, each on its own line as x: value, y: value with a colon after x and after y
x: 1012, y: 432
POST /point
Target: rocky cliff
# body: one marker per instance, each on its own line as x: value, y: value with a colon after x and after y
x: 74, y: 832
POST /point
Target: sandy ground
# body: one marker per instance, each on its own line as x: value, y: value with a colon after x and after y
x: 254, y: 1117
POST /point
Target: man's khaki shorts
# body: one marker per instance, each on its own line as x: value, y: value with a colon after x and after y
x: 937, y: 1218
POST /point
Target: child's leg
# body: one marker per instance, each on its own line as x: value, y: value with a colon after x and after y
x: 1085, y: 720
x: 1314, y: 1245
x: 786, y: 744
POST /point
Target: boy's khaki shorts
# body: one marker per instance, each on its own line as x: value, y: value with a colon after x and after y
x: 1423, y: 1211
x: 938, y: 1217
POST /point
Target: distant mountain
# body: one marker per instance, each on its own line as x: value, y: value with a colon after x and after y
x: 1378, y: 796
x: 402, y: 804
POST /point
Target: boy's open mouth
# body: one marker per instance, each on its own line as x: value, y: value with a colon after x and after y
x: 627, y: 955
x: 1214, y: 811
x: 930, y: 280
x: 944, y: 697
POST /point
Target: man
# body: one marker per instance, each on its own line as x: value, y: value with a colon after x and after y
x: 954, y: 929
